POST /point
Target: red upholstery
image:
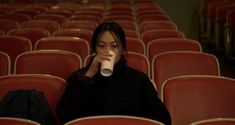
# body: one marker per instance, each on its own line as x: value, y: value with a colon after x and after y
x: 157, y: 34
x: 178, y: 63
x: 7, y: 25
x: 16, y: 121
x: 34, y: 34
x: 135, y: 45
x: 13, y: 46
x: 72, y: 44
x: 51, y: 26
x: 138, y: 61
x: 199, y: 97
x: 215, y: 121
x: 5, y: 64
x: 53, y: 62
x: 113, y: 120
x: 84, y: 34
x: 171, y: 44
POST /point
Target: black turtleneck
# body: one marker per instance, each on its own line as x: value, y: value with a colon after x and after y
x: 126, y: 92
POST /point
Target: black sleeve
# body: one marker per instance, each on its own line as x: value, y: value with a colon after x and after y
x: 75, y: 101
x: 152, y: 106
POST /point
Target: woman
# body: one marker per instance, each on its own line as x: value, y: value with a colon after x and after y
x: 126, y: 92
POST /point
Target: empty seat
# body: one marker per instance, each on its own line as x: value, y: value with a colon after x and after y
x: 7, y: 25
x: 34, y: 34
x: 152, y: 25
x: 84, y: 34
x: 157, y: 34
x: 5, y: 64
x: 85, y: 25
x: 199, y: 97
x: 131, y: 33
x: 159, y: 17
x: 86, y: 18
x: 72, y: 44
x: 135, y: 45
x: 138, y: 61
x: 20, y: 18
x: 31, y: 12
x: 51, y: 26
x: 64, y: 12
x: 113, y: 120
x: 13, y: 46
x: 157, y: 46
x: 178, y: 63
x: 60, y: 19
x: 53, y: 62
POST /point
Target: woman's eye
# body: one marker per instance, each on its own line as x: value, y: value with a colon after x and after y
x: 114, y: 46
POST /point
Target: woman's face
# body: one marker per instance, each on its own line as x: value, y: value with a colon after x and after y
x: 107, y: 42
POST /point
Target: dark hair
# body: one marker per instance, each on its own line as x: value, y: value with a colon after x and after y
x: 114, y: 28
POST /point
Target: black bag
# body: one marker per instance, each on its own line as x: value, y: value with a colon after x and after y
x: 28, y: 104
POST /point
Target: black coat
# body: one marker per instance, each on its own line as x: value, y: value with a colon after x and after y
x: 27, y: 104
x: 126, y: 92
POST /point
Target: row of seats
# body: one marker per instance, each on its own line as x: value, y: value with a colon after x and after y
x: 164, y: 65
x: 163, y: 68
x: 217, y: 25
x: 114, y: 120
x: 212, y: 97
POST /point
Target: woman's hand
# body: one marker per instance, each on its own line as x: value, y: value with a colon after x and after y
x: 95, y: 65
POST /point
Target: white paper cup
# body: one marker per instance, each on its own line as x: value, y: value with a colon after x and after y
x: 107, y: 66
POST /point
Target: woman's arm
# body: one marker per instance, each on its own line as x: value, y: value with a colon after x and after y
x: 152, y: 105
x: 75, y: 99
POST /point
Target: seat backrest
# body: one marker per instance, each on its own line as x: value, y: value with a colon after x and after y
x: 53, y: 62
x: 152, y: 25
x: 135, y: 45
x: 157, y: 46
x: 30, y: 12
x: 51, y: 86
x: 77, y: 45
x: 131, y: 33
x: 13, y: 46
x: 20, y: 18
x: 113, y: 120
x: 215, y: 121
x: 16, y: 121
x: 157, y: 34
x: 86, y: 18
x: 64, y: 12
x: 131, y: 25
x: 199, y: 97
x: 138, y: 61
x: 86, y: 25
x: 34, y: 34
x: 52, y: 17
x: 153, y: 17
x: 7, y: 25
x: 178, y: 63
x: 5, y: 64
x: 84, y: 34
x: 51, y: 26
